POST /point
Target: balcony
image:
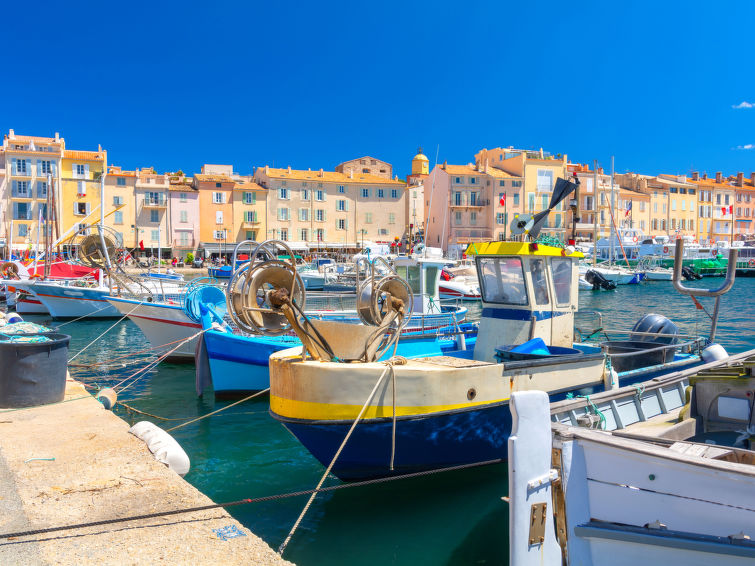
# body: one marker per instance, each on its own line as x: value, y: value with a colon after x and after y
x: 472, y: 235
x: 188, y: 243
x: 21, y: 194
x: 150, y: 202
x: 463, y: 204
x: 250, y: 223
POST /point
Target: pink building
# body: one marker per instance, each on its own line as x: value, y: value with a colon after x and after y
x: 184, y: 217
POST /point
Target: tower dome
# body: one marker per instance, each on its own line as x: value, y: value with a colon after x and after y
x: 420, y: 163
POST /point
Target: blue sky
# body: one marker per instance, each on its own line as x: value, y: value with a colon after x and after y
x: 311, y: 84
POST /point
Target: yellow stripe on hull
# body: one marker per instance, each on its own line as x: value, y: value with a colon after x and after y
x: 305, y: 410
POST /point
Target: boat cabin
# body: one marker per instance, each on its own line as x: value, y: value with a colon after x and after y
x: 422, y: 274
x: 528, y: 291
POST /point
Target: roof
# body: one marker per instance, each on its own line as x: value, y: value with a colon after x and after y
x: 214, y: 178
x: 671, y: 181
x: 470, y: 169
x: 84, y: 155
x: 181, y: 187
x: 248, y: 186
x: 327, y: 176
x: 18, y: 138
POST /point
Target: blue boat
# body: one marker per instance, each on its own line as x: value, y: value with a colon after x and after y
x: 451, y: 409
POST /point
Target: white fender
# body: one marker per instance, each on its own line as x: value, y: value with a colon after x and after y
x: 164, y: 447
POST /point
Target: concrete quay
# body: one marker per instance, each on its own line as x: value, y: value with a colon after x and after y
x: 101, y: 472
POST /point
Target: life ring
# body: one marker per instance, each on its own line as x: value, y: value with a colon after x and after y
x: 751, y: 263
x: 714, y: 252
x: 665, y: 249
x: 634, y: 239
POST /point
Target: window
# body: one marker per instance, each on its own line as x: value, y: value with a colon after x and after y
x: 21, y: 211
x: 118, y: 217
x: 341, y: 205
x: 218, y: 185
x: 20, y: 189
x: 117, y: 200
x: 545, y: 200
x: 380, y: 193
x: 365, y: 193
x: 718, y: 198
x: 341, y: 224
x: 664, y: 208
x: 472, y: 180
x: 500, y: 218
x: 684, y: 204
x: 183, y: 238
x: 250, y: 216
x: 304, y: 234
x: 120, y: 181
x: 283, y: 214
x: 365, y: 170
x: 218, y: 217
x: 183, y: 216
x: 81, y: 191
x: 20, y: 167
x: 303, y: 214
x: 154, y: 216
x: 655, y: 207
x: 250, y: 198
x: 218, y: 198
x: 516, y: 199
x: 219, y: 234
x: 23, y: 230
x: 501, y: 183
x: 320, y: 215
x: 394, y: 193
x: 562, y: 279
x: 544, y: 180
x: 81, y: 208
x: 368, y: 218
x: 502, y: 280
x: 472, y: 199
x: 182, y: 197
x: 320, y: 234
x: 726, y: 199
x: 155, y: 235
x: 673, y: 205
x: 320, y: 195
x: 41, y: 189
x: 283, y: 193
x: 539, y: 281
x: 473, y: 218
x: 305, y: 194
x: 79, y: 170
x: 516, y: 184
x: 391, y: 218
x: 457, y: 180
x: 44, y: 168
x: 457, y: 198
x: 251, y: 234
x: 341, y: 189
x: 531, y: 199
x: 457, y: 218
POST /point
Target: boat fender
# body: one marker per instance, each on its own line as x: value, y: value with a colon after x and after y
x: 611, y: 379
x: 13, y: 318
x: 714, y: 353
x: 163, y: 446
x: 108, y: 397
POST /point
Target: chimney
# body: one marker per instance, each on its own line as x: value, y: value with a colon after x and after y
x: 11, y: 134
x: 600, y: 170
x: 445, y: 164
x: 99, y: 147
x: 705, y: 176
x: 267, y: 170
x: 321, y: 174
x: 542, y: 156
x: 740, y: 179
x: 289, y: 169
x: 57, y: 136
x: 718, y: 176
x: 351, y: 173
x: 752, y: 178
x: 695, y: 176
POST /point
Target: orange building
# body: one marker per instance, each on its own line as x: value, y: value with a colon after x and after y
x: 216, y: 235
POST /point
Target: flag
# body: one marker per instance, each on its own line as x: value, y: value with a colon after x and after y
x: 731, y: 209
x: 723, y: 210
x: 502, y: 200
x: 629, y: 209
x: 141, y: 244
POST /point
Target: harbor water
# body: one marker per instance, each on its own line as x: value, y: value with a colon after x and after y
x: 447, y: 518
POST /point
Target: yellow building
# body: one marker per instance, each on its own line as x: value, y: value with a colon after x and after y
x: 249, y: 211
x: 714, y: 201
x: 81, y: 176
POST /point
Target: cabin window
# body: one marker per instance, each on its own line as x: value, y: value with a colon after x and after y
x: 411, y: 274
x: 562, y: 278
x: 539, y: 283
x: 502, y: 280
x: 431, y: 276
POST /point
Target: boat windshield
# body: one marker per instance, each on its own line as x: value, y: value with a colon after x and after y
x: 411, y: 274
x: 502, y: 280
x: 562, y: 278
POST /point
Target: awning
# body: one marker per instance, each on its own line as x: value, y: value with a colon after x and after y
x: 740, y: 220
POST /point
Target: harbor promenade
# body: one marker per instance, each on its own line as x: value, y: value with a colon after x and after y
x: 74, y: 462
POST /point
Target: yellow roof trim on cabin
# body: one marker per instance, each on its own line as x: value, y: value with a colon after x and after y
x: 518, y: 248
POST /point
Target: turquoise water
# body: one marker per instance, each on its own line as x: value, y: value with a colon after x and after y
x: 455, y: 518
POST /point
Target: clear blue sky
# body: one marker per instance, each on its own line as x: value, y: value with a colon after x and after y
x: 311, y: 84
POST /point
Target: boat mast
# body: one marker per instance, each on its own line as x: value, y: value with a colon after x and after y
x: 48, y: 226
x: 613, y: 202
x: 595, y: 214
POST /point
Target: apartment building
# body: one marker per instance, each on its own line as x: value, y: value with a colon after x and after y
x: 120, y: 204
x: 215, y: 198
x: 183, y: 211
x: 366, y: 166
x: 744, y: 206
x: 31, y: 162
x: 151, y: 202
x: 81, y: 187
x: 249, y: 211
x: 332, y: 210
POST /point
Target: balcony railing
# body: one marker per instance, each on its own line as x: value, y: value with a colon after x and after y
x: 15, y: 193
x: 467, y: 203
x: 179, y: 243
x: 463, y: 236
x: 250, y: 223
x: 161, y: 202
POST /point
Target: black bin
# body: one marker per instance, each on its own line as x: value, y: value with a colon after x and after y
x: 33, y: 373
x: 641, y: 358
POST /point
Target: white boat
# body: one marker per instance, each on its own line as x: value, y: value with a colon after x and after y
x: 650, y: 266
x: 646, y: 474
x: 618, y: 275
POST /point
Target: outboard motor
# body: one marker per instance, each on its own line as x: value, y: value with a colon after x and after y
x: 690, y: 274
x: 598, y: 281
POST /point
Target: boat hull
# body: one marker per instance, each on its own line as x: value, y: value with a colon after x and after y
x: 63, y: 301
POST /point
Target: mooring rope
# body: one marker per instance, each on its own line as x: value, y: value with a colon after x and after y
x: 105, y: 332
x: 250, y: 500
x: 79, y: 318
x: 219, y: 410
x: 282, y: 547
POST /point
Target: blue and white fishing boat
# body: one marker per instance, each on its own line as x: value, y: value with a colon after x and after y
x: 438, y: 411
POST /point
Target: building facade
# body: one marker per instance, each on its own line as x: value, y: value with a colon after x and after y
x: 744, y: 210
x: 183, y: 211
x: 329, y: 209
x: 120, y: 204
x: 415, y: 196
x: 82, y: 177
x: 152, y: 225
x: 249, y: 211
x: 215, y: 198
x: 366, y: 166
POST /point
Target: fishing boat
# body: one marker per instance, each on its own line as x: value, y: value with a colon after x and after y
x: 659, y: 472
x: 429, y: 413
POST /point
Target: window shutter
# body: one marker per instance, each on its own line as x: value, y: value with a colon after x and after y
x: 86, y: 171
x: 324, y: 215
x: 88, y: 208
x: 347, y: 206
x: 39, y: 167
x: 346, y: 225
x: 75, y: 209
x: 14, y: 166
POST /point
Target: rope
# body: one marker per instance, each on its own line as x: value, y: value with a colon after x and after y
x: 129, y: 355
x: 219, y: 410
x: 83, y: 316
x: 250, y: 500
x: 640, y: 388
x: 105, y: 332
x: 597, y: 411
x: 282, y: 547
